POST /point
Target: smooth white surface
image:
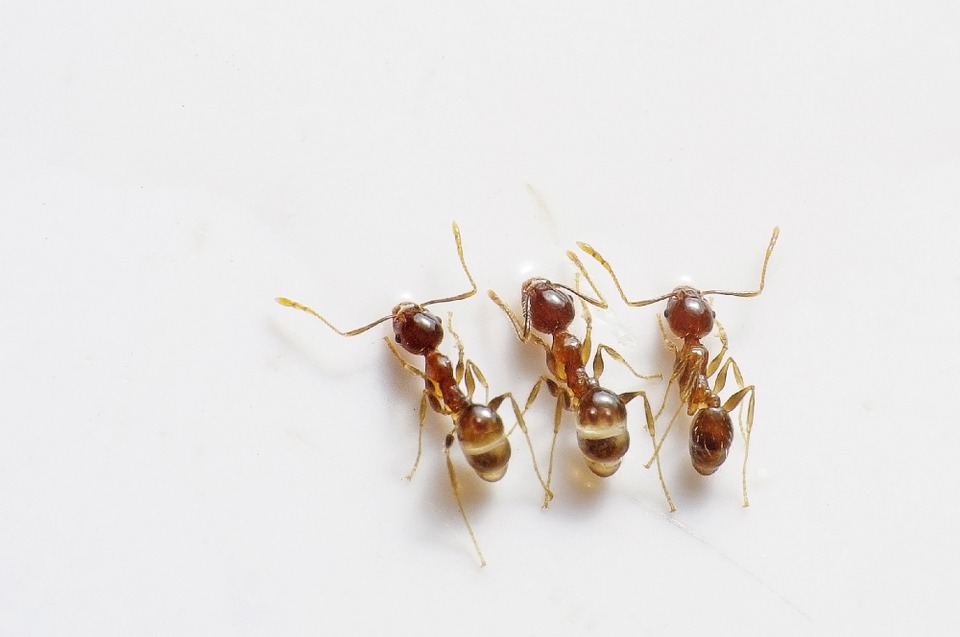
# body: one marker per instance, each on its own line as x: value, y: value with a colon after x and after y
x: 180, y: 455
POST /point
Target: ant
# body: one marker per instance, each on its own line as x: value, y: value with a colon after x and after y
x: 691, y: 319
x: 478, y: 427
x: 602, y: 434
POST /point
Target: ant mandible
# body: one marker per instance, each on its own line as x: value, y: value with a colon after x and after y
x: 478, y: 427
x: 602, y: 434
x: 691, y: 319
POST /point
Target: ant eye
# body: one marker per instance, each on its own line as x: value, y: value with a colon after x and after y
x: 666, y: 314
x: 396, y: 337
x: 714, y: 312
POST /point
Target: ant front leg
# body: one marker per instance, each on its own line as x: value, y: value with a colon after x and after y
x: 715, y: 363
x: 495, y: 404
x: 424, y: 398
x: 670, y: 345
x: 423, y: 417
x: 522, y: 333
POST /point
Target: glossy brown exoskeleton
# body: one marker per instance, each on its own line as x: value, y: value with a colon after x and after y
x: 690, y: 319
x: 477, y: 426
x: 602, y: 434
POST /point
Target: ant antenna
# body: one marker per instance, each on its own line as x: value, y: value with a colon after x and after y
x: 360, y: 330
x: 463, y: 262
x: 586, y: 247
x: 763, y: 272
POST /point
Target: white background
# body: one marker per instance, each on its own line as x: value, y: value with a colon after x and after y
x: 181, y: 455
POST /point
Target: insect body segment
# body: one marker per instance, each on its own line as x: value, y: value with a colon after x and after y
x: 690, y: 319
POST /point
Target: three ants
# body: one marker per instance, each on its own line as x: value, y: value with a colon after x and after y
x: 548, y: 308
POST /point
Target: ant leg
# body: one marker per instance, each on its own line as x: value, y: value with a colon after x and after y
x: 403, y: 363
x: 558, y: 412
x: 455, y: 485
x: 670, y: 345
x: 514, y: 320
x: 423, y: 418
x: 715, y: 363
x: 722, y: 376
x: 424, y: 398
x: 667, y: 342
x: 518, y: 325
x: 495, y: 404
x: 666, y: 394
x: 626, y: 398
x: 587, y: 345
x: 616, y: 356
x: 732, y: 403
x: 456, y: 337
x: 658, y: 445
x: 474, y: 372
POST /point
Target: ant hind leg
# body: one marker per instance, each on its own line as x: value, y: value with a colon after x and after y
x: 558, y: 412
x: 495, y: 404
x: 648, y: 413
x: 455, y: 485
x: 732, y: 403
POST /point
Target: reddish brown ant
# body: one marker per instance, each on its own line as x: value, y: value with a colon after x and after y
x: 602, y: 434
x: 691, y: 319
x: 478, y: 427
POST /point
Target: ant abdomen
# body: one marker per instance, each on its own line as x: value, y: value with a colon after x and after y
x: 602, y: 430
x: 482, y: 439
x: 711, y: 435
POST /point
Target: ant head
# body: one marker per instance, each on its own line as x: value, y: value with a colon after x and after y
x: 688, y: 314
x: 548, y: 308
x: 416, y: 330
